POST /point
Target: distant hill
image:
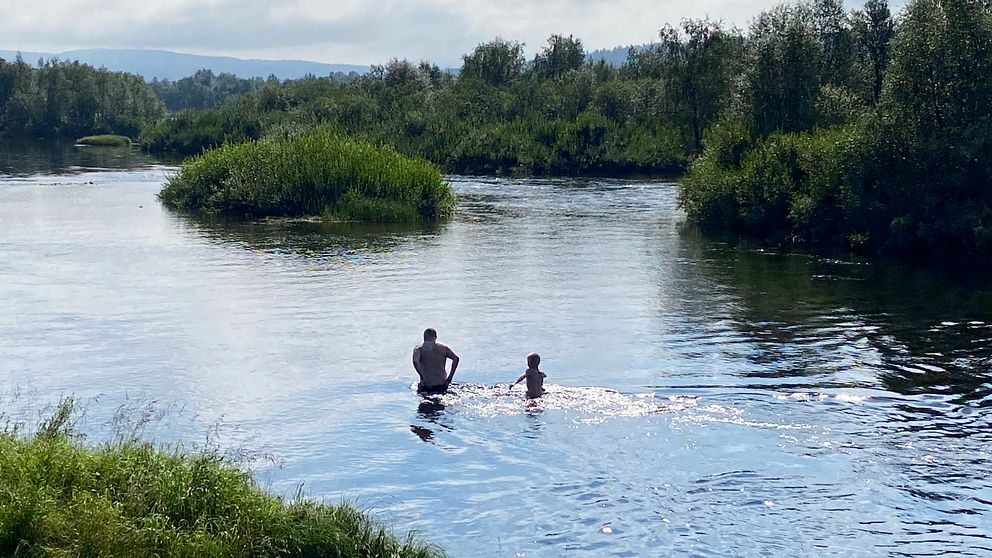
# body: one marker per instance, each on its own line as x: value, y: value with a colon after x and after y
x: 29, y: 57
x: 617, y: 56
x: 164, y: 64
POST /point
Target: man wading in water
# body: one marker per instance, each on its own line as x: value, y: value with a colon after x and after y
x: 429, y: 359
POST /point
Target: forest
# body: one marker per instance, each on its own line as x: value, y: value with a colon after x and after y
x: 500, y: 114
x: 67, y: 99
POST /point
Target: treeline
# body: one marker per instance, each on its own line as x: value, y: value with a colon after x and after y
x: 858, y: 131
x: 552, y: 115
x: 205, y: 90
x: 69, y: 99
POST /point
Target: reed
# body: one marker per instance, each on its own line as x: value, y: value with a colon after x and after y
x: 62, y: 498
x: 317, y: 173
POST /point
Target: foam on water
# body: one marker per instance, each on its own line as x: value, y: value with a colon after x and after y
x: 591, y: 403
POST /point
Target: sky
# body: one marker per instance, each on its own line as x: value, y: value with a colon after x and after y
x: 345, y: 31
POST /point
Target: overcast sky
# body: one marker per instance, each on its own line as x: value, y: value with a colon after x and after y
x: 344, y: 31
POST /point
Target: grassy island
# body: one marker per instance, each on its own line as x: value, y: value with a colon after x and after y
x: 60, y: 498
x: 318, y: 173
x: 105, y: 140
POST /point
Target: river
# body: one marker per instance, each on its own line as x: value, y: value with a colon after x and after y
x: 706, y: 398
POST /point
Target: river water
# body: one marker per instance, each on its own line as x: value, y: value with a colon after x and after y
x: 705, y: 398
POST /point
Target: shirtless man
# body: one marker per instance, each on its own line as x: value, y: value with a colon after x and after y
x: 429, y: 359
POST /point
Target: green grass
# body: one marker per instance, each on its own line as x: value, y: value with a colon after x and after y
x: 105, y: 140
x: 61, y: 498
x: 317, y: 173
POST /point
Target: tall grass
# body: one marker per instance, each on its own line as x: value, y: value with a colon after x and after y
x: 61, y: 498
x: 317, y: 173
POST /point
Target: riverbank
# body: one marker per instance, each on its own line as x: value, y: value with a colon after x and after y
x: 62, y: 498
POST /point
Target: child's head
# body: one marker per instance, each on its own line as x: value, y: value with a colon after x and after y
x: 533, y: 360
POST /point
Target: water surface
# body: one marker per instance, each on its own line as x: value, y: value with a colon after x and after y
x: 705, y: 398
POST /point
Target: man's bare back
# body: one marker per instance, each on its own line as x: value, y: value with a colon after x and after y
x: 429, y: 359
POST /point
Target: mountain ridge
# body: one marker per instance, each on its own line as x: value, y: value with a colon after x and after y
x: 164, y: 64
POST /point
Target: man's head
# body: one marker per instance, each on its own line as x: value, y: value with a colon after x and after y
x: 430, y: 334
x: 533, y: 360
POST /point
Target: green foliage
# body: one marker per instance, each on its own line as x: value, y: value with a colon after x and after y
x: 562, y: 55
x: 105, y: 140
x: 69, y: 99
x: 558, y: 116
x: 783, y: 72
x: 191, y: 131
x: 698, y: 64
x: 314, y: 173
x: 203, y: 90
x: 59, y: 498
x: 497, y: 62
x: 938, y: 83
x: 874, y: 28
x: 909, y: 177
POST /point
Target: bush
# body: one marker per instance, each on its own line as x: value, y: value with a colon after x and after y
x: 801, y: 187
x: 317, y: 173
x: 107, y: 140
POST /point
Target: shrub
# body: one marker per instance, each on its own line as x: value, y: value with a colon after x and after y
x: 107, y: 140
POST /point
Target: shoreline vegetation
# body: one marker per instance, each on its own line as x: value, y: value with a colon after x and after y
x: 67, y: 100
x: 317, y: 173
x: 901, y: 169
x: 104, y: 140
x: 129, y: 498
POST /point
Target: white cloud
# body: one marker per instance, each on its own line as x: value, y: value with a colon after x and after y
x: 344, y: 31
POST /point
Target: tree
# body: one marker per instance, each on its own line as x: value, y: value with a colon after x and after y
x: 562, y: 55
x: 832, y: 27
x: 697, y: 63
x: 498, y: 62
x: 782, y: 79
x: 873, y: 29
x: 938, y: 82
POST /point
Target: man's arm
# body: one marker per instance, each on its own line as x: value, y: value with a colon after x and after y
x: 416, y: 361
x: 454, y: 366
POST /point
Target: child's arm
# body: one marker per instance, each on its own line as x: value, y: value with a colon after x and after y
x: 518, y: 380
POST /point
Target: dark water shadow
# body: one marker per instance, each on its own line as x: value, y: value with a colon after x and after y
x: 430, y: 413
x: 27, y: 157
x: 307, y: 238
x: 804, y: 315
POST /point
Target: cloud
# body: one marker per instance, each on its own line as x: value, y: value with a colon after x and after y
x: 345, y: 30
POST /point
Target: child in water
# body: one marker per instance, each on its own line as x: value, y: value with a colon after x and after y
x: 534, y: 377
